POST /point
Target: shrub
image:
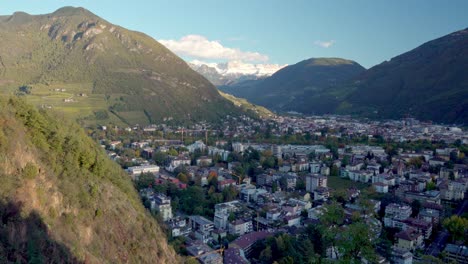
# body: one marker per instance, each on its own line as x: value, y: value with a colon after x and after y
x: 30, y: 171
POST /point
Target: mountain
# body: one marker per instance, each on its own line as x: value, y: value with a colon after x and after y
x: 429, y: 82
x: 88, y: 68
x: 232, y: 72
x: 256, y: 110
x: 62, y: 200
x: 310, y: 86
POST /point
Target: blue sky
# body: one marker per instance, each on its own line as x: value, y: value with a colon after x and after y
x: 271, y: 31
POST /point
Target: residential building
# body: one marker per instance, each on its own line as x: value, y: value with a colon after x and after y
x: 314, y: 181
x: 456, y: 253
x: 240, y: 227
x: 409, y: 239
x: 162, y: 204
x: 395, y: 214
x: 380, y: 187
x: 401, y: 256
x: 137, y: 170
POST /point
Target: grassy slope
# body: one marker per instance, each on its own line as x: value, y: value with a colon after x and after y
x: 248, y: 107
x: 77, y: 203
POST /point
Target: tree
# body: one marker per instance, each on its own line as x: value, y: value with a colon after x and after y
x: 334, y: 171
x: 172, y: 152
x: 182, y: 177
x: 160, y: 158
x: 330, y: 221
x: 457, y: 227
x: 355, y: 242
x: 145, y: 180
x: 431, y: 186
x: 25, y: 89
x: 266, y: 255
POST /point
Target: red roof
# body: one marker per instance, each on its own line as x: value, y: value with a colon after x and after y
x: 225, y: 182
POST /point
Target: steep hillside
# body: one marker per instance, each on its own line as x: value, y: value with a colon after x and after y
x: 249, y: 107
x: 63, y: 201
x: 310, y: 86
x: 81, y: 64
x: 429, y: 82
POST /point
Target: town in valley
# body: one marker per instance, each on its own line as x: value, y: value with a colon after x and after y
x: 258, y: 190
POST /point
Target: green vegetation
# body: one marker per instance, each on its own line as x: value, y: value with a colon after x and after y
x: 69, y: 201
x: 255, y: 110
x: 428, y: 82
x: 457, y: 227
x: 350, y: 243
x: 68, y: 61
x: 311, y: 86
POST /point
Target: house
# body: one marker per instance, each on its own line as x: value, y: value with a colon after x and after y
x: 245, y: 243
x: 226, y: 183
x: 222, y: 212
x: 428, y: 196
x: 409, y: 239
x: 456, y: 253
x: 395, y: 214
x: 204, y: 161
x: 175, y: 162
x: 454, y: 190
x: 293, y: 220
x: 315, y: 213
x: 198, y: 145
x: 314, y: 181
x: 233, y: 255
x: 138, y: 170
x: 240, y: 227
x: 321, y: 194
x: 380, y: 187
x: 420, y: 225
x: 179, y: 227
x: 202, y: 227
x: 431, y: 212
x: 401, y: 256
x: 162, y: 204
x: 204, y: 253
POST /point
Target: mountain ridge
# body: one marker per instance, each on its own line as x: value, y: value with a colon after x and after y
x: 309, y: 82
x: 428, y: 82
x: 126, y: 74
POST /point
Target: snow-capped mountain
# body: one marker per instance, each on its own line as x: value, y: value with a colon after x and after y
x: 233, y: 71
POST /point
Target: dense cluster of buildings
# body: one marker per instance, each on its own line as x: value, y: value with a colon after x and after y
x: 295, y: 192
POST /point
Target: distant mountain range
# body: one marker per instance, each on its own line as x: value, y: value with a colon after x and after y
x: 79, y: 63
x: 311, y: 86
x: 429, y: 83
x: 233, y: 72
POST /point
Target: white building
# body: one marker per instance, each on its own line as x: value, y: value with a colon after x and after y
x: 198, y: 145
x: 137, y: 170
x: 240, y: 227
x: 395, y: 213
x: 162, y: 204
x: 380, y: 187
x: 315, y: 181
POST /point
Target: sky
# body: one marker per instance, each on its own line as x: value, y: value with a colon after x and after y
x: 273, y: 31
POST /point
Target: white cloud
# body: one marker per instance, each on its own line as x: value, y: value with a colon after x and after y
x: 198, y: 46
x: 324, y: 44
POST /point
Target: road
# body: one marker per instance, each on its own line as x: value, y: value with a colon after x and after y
x: 441, y: 240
